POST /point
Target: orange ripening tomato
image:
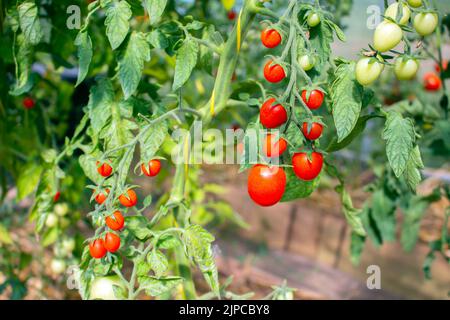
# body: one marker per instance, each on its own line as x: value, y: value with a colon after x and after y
x: 153, y: 168
x: 104, y: 169
x: 112, y: 242
x: 116, y: 221
x: 101, y: 196
x: 274, y: 72
x: 270, y: 38
x: 128, y: 200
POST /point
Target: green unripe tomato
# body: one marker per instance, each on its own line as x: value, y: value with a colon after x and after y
x: 313, y: 19
x: 68, y: 245
x: 406, y: 69
x: 58, y: 266
x: 425, y: 23
x: 387, y: 36
x: 51, y: 221
x: 368, y: 70
x: 61, y: 209
x: 306, y: 62
x: 392, y: 11
x: 102, y: 287
x: 415, y: 3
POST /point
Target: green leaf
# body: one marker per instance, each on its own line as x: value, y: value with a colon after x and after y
x: 158, y: 262
x: 321, y: 38
x: 131, y: 63
x: 383, y: 213
x: 412, y: 172
x: 347, y: 95
x: 352, y: 214
x: 50, y: 236
x: 138, y: 226
x: 117, y: 22
x: 101, y: 99
x: 25, y: 81
x: 339, y: 33
x: 155, y: 287
x: 155, y: 9
x: 151, y: 141
x: 29, y: 22
x: 158, y: 39
x: 28, y: 180
x: 5, y: 237
x: 168, y: 242
x: 356, y: 247
x: 198, y: 244
x: 251, y: 146
x: 297, y: 188
x: 400, y: 137
x: 84, y: 44
x: 185, y: 62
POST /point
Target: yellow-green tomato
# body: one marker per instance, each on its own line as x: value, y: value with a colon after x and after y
x: 68, y: 245
x: 306, y: 62
x: 57, y: 266
x: 368, y: 70
x: 406, y: 69
x: 387, y: 36
x: 425, y: 23
x: 61, y: 209
x: 392, y: 11
x: 52, y: 220
x: 415, y: 3
x: 313, y: 19
x: 102, y: 287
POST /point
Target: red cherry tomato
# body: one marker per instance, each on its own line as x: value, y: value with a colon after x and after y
x: 274, y: 149
x: 432, y: 82
x: 270, y: 38
x: 104, y: 169
x: 266, y: 184
x: 315, y: 130
x: 273, y: 72
x: 153, y: 168
x: 28, y: 103
x: 97, y: 249
x: 115, y: 223
x: 231, y: 15
x: 112, y: 242
x: 307, y: 169
x: 444, y: 64
x: 315, y: 99
x: 101, y: 196
x: 56, y: 196
x: 272, y: 116
x: 128, y: 200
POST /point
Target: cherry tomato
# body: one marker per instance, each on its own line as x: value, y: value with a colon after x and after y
x: 305, y: 168
x: 153, y: 168
x: 274, y: 149
x: 432, y: 82
x: 444, y: 64
x: 313, y: 19
x: 28, y: 103
x: 306, y: 62
x: 57, y: 266
x: 104, y: 169
x: 51, y: 221
x: 112, y: 242
x: 128, y: 200
x: 102, y: 288
x: 392, y: 11
x: 270, y: 38
x: 387, y: 36
x: 405, y: 68
x: 425, y: 23
x: 231, y: 15
x: 97, y: 249
x: 415, y: 3
x: 266, y: 184
x: 272, y: 116
x: 115, y: 223
x: 56, y: 196
x: 315, y: 131
x: 368, y: 70
x: 274, y: 73
x: 101, y: 197
x: 315, y: 99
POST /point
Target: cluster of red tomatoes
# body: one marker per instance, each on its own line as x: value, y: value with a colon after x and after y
x: 116, y: 221
x: 266, y: 184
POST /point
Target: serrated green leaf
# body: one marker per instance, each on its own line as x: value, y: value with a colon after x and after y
x: 138, y: 226
x: 158, y: 262
x: 131, y: 63
x: 400, y: 137
x: 26, y: 80
x: 383, y: 213
x: 28, y: 180
x: 412, y: 172
x: 84, y: 44
x: 151, y: 141
x: 352, y: 214
x: 185, y: 62
x: 155, y: 287
x: 155, y: 9
x: 117, y: 22
x: 297, y: 188
x: 356, y: 247
x: 101, y: 99
x: 347, y: 95
x: 29, y: 22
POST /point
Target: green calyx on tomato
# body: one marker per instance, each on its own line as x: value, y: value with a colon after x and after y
x: 387, y: 36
